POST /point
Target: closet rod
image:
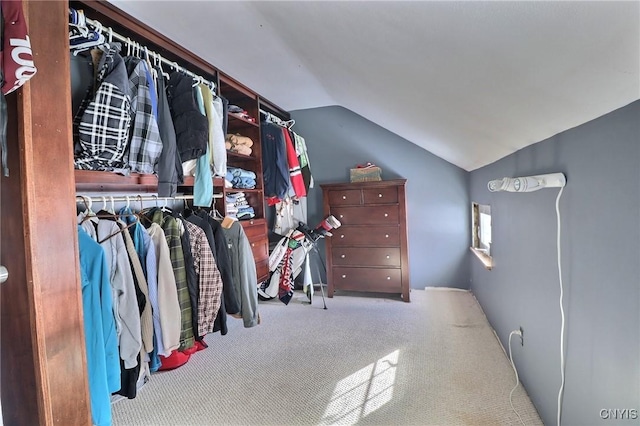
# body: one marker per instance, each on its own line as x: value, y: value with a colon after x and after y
x: 81, y: 198
x: 277, y: 120
x: 108, y: 32
x: 96, y: 198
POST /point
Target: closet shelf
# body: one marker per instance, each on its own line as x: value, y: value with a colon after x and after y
x: 244, y: 121
x: 95, y: 180
x: 246, y: 191
x: 231, y: 154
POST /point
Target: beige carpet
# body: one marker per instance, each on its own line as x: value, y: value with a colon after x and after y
x: 364, y: 360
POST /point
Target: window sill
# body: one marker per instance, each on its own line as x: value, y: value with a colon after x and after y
x: 486, y: 260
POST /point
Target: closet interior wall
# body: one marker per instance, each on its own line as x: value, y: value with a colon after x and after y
x: 235, y: 92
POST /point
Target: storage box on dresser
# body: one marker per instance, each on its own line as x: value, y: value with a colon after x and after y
x: 369, y: 252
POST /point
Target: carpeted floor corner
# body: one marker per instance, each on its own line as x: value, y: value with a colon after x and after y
x: 364, y: 360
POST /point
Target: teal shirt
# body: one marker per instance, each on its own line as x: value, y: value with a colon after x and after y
x: 101, y: 340
x: 203, y: 185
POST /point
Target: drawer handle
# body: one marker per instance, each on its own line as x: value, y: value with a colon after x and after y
x: 388, y: 278
x: 386, y: 235
x: 341, y: 216
x: 251, y: 222
x: 344, y: 276
x: 388, y: 257
x: 341, y: 235
x: 344, y: 197
x: 253, y: 244
x: 386, y: 215
x: 379, y: 195
x: 343, y: 256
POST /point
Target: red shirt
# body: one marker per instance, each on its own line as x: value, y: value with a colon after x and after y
x: 16, y: 60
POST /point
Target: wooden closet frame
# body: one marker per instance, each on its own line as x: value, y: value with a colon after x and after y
x: 42, y: 356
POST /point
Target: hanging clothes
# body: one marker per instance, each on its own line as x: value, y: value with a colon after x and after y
x: 295, y: 174
x: 303, y: 157
x: 192, y: 278
x: 214, y: 109
x: 220, y: 322
x: 172, y: 234
x: 169, y: 308
x: 147, y: 255
x: 203, y: 185
x: 125, y: 300
x: 146, y: 317
x: 169, y: 166
x: 16, y: 62
x: 145, y: 145
x: 191, y: 126
x: 274, y: 162
x: 243, y: 270
x: 223, y: 260
x: 209, y: 281
x: 102, y: 123
x: 101, y: 340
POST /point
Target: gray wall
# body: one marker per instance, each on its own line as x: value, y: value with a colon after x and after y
x: 600, y: 256
x: 437, y: 191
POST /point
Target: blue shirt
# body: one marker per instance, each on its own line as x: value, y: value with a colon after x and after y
x: 101, y: 340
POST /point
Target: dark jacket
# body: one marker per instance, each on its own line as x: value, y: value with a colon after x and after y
x: 169, y: 166
x: 223, y: 259
x: 192, y: 128
x: 275, y: 167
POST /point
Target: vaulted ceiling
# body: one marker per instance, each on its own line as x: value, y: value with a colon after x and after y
x: 470, y: 82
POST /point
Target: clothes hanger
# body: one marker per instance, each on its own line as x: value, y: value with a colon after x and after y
x: 164, y: 73
x: 88, y: 214
x: 112, y: 210
x: 165, y: 208
x: 118, y: 232
x: 82, y: 38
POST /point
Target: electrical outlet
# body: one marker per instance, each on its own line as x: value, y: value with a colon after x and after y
x: 521, y: 336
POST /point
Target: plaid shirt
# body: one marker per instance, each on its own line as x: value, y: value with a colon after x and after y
x: 172, y: 233
x: 145, y: 145
x: 209, y: 278
x: 102, y: 123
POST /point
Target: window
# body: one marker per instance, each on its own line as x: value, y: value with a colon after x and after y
x: 481, y: 233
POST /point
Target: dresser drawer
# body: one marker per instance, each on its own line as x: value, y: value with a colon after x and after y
x: 380, y: 236
x: 262, y: 270
x: 366, y: 256
x: 367, y: 279
x: 370, y: 215
x: 260, y: 249
x: 380, y: 195
x: 254, y: 228
x: 345, y: 197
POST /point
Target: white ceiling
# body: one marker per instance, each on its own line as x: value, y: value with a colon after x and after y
x: 470, y: 82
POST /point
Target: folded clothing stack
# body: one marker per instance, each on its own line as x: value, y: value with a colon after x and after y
x: 238, y: 143
x: 238, y: 207
x: 241, y: 178
x: 239, y: 112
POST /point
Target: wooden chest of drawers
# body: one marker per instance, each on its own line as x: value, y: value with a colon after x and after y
x: 369, y: 252
x: 256, y: 232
